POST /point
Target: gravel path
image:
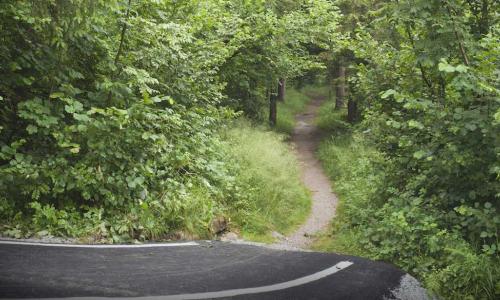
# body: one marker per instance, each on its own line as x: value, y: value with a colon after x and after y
x: 306, y: 138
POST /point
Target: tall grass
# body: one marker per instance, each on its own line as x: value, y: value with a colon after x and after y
x: 273, y: 197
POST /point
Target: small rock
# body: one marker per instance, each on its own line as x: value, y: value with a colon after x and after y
x: 277, y: 235
x: 219, y: 224
x: 229, y: 236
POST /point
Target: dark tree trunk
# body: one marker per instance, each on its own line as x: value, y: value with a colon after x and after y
x: 281, y: 89
x: 352, y: 110
x: 272, y: 108
x: 340, y: 86
x: 352, y: 104
x: 331, y: 86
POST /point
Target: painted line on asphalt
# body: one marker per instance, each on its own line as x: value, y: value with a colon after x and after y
x: 237, y: 292
x: 100, y: 246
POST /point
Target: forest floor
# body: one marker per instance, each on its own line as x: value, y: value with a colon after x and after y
x: 306, y: 138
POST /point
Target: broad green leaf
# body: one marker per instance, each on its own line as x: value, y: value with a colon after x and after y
x: 388, y: 93
x: 471, y: 127
x: 443, y: 66
x: 419, y: 154
x: 31, y: 129
x: 461, y: 69
x: 415, y: 124
x: 56, y: 95
x: 74, y: 150
x: 81, y: 117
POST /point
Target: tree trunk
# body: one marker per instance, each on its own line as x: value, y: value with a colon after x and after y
x: 281, y: 89
x: 331, y: 86
x: 272, y: 108
x: 340, y: 86
x: 352, y: 110
x: 352, y: 104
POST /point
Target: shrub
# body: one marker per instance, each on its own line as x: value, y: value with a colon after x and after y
x: 377, y: 220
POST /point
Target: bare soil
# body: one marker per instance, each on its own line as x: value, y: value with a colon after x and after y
x: 306, y: 139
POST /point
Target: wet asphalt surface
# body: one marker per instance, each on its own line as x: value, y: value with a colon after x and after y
x: 58, y: 272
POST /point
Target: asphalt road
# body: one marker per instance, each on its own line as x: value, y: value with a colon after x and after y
x: 201, y: 270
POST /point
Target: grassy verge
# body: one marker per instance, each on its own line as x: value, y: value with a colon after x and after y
x: 272, y: 197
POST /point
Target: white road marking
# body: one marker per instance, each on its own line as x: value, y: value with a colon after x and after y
x: 237, y: 292
x: 100, y: 246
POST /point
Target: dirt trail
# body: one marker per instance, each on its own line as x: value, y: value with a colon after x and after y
x: 306, y: 138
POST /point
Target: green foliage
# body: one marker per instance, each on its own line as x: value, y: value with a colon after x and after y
x: 271, y: 195
x: 425, y: 76
x: 440, y: 135
x: 468, y: 276
x: 273, y: 44
x: 111, y: 110
x: 375, y: 221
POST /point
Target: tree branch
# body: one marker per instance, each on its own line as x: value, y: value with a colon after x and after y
x: 122, y: 34
x: 122, y: 40
x: 422, y: 71
x: 465, y: 58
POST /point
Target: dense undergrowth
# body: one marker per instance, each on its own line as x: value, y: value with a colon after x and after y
x: 254, y: 186
x: 117, y: 123
x: 419, y: 174
x: 250, y: 180
x: 112, y: 114
x: 400, y: 228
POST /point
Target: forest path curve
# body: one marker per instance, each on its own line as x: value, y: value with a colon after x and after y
x: 306, y: 138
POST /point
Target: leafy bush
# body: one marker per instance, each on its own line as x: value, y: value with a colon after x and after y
x: 424, y: 74
x: 376, y: 221
x: 122, y: 160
